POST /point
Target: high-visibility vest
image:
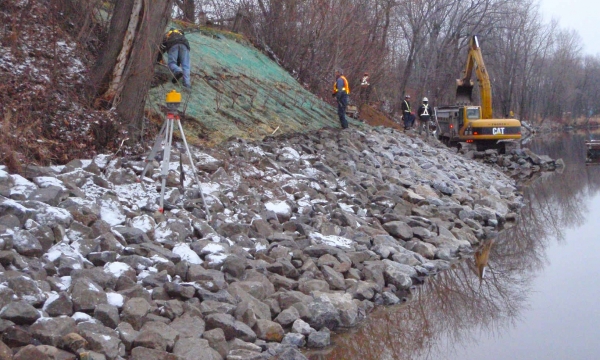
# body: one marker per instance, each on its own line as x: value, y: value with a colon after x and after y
x: 173, y: 32
x: 407, y: 106
x: 346, y: 86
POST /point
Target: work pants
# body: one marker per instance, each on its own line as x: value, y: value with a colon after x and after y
x: 424, y: 122
x: 408, y: 119
x: 342, y: 100
x: 179, y: 54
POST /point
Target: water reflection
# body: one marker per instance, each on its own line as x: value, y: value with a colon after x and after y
x: 451, y: 310
x: 592, y: 156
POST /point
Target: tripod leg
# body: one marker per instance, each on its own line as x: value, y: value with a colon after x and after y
x: 189, y: 154
x: 166, y: 159
x: 152, y: 153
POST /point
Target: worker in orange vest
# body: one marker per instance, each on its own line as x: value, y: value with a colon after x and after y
x: 341, y: 90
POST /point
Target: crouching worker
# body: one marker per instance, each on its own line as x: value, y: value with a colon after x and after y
x: 177, y: 48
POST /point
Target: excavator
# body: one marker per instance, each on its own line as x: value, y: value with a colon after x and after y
x: 468, y: 123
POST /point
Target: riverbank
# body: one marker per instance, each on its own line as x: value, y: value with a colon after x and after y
x: 515, y: 310
x: 309, y: 233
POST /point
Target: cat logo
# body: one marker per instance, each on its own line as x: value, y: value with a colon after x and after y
x: 498, y: 131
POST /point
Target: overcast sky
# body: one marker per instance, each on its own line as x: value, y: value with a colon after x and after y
x: 581, y: 15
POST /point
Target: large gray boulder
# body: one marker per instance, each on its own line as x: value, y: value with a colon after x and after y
x: 102, y: 339
x: 231, y: 327
x: 347, y: 310
x: 26, y: 243
x: 142, y: 353
x: 165, y: 331
x: 268, y: 330
x: 20, y: 313
x: 49, y: 331
x: 322, y: 313
x: 399, y: 229
x: 134, y: 311
x: 86, y: 295
x: 195, y: 349
x: 189, y: 326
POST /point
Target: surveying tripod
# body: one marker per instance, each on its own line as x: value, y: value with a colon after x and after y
x: 173, y: 100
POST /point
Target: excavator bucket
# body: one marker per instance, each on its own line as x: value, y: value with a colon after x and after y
x: 464, y: 93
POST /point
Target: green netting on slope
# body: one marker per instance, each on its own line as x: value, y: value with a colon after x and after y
x: 238, y: 91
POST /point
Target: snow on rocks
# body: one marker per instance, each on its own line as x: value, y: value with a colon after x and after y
x: 310, y: 236
x: 186, y: 254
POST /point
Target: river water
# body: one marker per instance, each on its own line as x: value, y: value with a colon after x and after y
x: 539, y: 298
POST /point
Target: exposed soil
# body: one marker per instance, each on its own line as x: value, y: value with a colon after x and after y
x: 374, y: 117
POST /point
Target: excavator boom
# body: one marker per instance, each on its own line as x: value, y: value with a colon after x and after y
x: 464, y: 86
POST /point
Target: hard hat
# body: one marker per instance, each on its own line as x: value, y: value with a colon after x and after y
x: 407, y: 96
x: 425, y: 99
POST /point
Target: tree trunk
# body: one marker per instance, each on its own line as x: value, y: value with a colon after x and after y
x: 188, y: 8
x: 122, y: 74
x: 189, y: 11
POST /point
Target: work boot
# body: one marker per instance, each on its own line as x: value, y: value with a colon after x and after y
x: 177, y: 77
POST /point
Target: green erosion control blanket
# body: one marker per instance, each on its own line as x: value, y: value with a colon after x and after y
x: 238, y: 91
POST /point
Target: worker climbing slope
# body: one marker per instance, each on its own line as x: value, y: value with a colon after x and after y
x: 177, y: 48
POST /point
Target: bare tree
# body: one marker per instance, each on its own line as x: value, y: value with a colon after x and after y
x: 188, y: 9
x: 121, y: 76
x: 419, y: 46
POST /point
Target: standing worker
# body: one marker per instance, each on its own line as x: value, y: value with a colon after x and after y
x: 178, y: 49
x: 424, y: 113
x: 365, y: 88
x: 341, y: 90
x: 407, y: 117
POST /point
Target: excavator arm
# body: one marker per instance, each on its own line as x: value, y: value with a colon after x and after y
x: 464, y: 86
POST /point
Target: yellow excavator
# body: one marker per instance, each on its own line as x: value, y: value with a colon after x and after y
x: 469, y: 123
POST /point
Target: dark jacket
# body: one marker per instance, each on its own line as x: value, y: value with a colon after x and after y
x: 174, y: 37
x: 405, y: 106
x: 425, y: 115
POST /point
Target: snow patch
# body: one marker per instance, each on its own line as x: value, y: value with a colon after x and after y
x: 82, y: 317
x: 213, y: 248
x: 187, y: 254
x: 52, y: 297
x: 115, y: 299
x: 288, y: 153
x: 21, y: 186
x: 144, y: 223
x: 332, y: 240
x: 102, y: 160
x: 278, y: 207
x: 111, y: 212
x: 117, y: 268
x: 346, y: 208
x: 216, y: 259
x: 46, y: 181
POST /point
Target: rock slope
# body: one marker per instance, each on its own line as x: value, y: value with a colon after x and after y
x: 308, y: 233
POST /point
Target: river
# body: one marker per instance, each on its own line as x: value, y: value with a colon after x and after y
x: 538, y: 298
